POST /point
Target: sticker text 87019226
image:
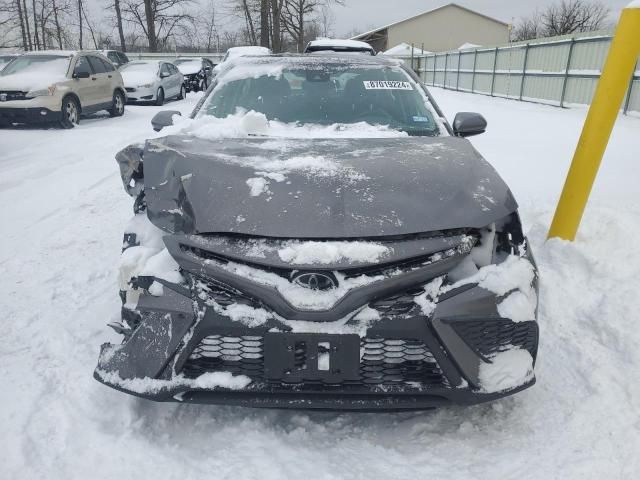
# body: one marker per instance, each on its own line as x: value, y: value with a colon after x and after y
x: 387, y: 85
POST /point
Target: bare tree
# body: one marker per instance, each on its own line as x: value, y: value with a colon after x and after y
x: 563, y: 18
x: 528, y: 28
x: 295, y: 16
x: 158, y: 19
x: 118, y: 12
x: 276, y: 25
x: 80, y: 23
x: 26, y: 22
x: 571, y: 16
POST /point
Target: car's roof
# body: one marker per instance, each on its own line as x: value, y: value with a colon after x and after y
x: 148, y: 62
x: 249, y: 48
x: 334, y: 42
x: 59, y: 53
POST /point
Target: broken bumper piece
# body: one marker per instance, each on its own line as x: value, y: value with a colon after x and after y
x: 413, y: 362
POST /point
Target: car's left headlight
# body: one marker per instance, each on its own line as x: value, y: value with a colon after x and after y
x: 43, y: 92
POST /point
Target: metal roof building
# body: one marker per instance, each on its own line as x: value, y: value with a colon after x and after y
x: 443, y: 28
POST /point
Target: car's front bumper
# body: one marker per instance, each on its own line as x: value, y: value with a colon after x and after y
x: 27, y: 115
x: 397, y: 363
x: 140, y: 94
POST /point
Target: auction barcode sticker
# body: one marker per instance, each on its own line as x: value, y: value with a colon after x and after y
x: 387, y: 85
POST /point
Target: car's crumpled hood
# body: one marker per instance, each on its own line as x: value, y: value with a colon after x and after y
x: 318, y: 188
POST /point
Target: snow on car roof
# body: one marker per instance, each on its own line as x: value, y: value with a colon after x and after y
x: 250, y: 50
x: 301, y: 59
x: 334, y: 42
x: 60, y: 53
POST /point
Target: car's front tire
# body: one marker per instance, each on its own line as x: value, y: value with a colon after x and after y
x: 117, y: 107
x: 183, y: 93
x: 70, y: 112
x: 160, y: 97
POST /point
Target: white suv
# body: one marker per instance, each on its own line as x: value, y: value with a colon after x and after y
x: 59, y: 86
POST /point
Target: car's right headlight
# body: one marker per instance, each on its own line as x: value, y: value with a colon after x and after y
x: 43, y: 92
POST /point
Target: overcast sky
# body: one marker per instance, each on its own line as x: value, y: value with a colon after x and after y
x: 363, y: 15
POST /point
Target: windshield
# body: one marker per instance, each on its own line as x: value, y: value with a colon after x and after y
x: 187, y: 60
x: 326, y: 94
x: 4, y: 60
x: 39, y: 64
x: 139, y: 67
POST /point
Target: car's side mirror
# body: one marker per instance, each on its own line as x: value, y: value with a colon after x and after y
x: 163, y: 119
x: 466, y: 124
x: 81, y: 74
x: 164, y: 75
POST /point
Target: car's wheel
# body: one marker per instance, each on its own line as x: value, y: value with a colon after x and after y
x: 160, y: 97
x: 70, y: 112
x: 183, y: 92
x: 117, y: 107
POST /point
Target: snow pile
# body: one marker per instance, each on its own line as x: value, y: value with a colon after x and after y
x: 245, y: 124
x: 512, y: 279
x: 206, y: 381
x: 149, y: 258
x: 298, y: 296
x: 428, y: 299
x: 306, y: 253
x: 507, y: 370
x: 257, y: 186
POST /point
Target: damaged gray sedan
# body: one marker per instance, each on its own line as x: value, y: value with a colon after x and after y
x: 316, y: 235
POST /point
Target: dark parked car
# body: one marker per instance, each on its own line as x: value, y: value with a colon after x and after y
x: 384, y: 267
x: 197, y: 72
x: 117, y: 58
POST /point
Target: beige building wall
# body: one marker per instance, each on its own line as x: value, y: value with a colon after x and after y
x: 447, y: 29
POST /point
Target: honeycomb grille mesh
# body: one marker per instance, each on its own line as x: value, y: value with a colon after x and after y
x: 382, y: 361
x: 218, y: 353
x: 488, y: 337
x: 389, y: 361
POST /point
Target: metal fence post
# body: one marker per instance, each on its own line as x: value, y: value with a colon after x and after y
x: 435, y: 62
x: 566, y: 72
x: 458, y: 74
x: 629, y: 90
x: 524, y: 70
x: 473, y: 75
x: 412, y: 57
x: 493, y: 76
x: 446, y: 63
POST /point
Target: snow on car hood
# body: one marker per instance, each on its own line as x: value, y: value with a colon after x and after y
x: 189, y: 68
x: 135, y: 79
x: 28, y: 81
x: 320, y: 188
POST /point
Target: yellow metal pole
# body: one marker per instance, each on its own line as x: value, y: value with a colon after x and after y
x: 623, y: 53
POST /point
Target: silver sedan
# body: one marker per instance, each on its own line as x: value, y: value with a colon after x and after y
x: 152, y: 81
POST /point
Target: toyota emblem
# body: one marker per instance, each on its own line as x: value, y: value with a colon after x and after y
x: 315, y: 280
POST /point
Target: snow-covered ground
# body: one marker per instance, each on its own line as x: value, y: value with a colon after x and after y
x: 62, y: 215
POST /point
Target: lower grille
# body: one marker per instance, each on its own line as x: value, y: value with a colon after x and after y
x: 488, y: 337
x: 12, y: 95
x: 382, y: 361
x: 388, y: 362
x: 237, y: 355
